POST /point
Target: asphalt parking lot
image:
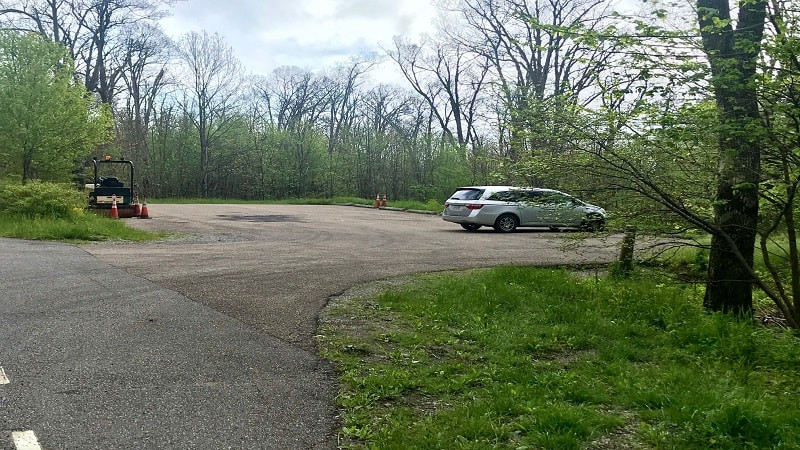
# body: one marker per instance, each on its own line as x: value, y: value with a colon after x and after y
x: 206, y: 339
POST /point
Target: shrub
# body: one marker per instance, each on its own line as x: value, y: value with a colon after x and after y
x: 41, y: 200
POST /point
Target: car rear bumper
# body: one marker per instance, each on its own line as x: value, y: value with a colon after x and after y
x: 475, y: 219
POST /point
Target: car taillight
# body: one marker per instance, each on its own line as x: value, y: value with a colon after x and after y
x: 474, y: 206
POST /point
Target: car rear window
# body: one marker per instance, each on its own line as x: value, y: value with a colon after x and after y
x: 467, y: 194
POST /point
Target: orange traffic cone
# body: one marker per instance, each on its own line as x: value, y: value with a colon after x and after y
x: 383, y: 202
x: 114, y: 212
x: 137, y: 207
x: 144, y: 214
x: 377, y: 200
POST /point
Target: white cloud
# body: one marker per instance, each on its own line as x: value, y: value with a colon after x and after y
x: 313, y: 34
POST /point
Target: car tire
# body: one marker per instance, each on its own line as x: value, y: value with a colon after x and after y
x: 506, y: 223
x: 470, y: 226
x: 593, y: 223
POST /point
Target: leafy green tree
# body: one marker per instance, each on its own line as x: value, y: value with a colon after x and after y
x: 47, y: 120
x: 734, y: 183
x: 780, y: 162
x: 733, y: 54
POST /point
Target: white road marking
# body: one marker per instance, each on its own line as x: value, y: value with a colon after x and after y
x: 25, y: 440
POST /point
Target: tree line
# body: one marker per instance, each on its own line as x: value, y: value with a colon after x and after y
x: 674, y: 119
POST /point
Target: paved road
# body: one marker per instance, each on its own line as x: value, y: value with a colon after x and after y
x: 205, y: 340
x: 96, y: 358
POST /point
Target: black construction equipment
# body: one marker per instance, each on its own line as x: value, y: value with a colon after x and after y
x: 109, y: 186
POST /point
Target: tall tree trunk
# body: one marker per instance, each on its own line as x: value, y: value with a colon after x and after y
x: 732, y: 55
x: 27, y: 166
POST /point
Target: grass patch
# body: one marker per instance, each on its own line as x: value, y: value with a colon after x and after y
x: 78, y: 227
x: 689, y: 263
x: 53, y: 211
x: 541, y: 358
x: 431, y: 205
x: 287, y: 201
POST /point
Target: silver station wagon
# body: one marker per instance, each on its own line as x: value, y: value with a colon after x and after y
x: 507, y: 207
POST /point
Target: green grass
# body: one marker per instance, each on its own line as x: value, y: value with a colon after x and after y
x: 690, y: 264
x: 53, y: 211
x: 77, y: 228
x: 219, y: 201
x: 288, y: 201
x: 541, y: 358
x: 431, y: 205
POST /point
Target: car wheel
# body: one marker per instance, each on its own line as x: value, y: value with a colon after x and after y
x: 470, y: 226
x: 593, y: 223
x: 506, y: 223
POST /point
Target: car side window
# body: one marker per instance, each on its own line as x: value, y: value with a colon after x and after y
x: 532, y: 197
x: 505, y: 196
x: 555, y: 199
x: 501, y: 196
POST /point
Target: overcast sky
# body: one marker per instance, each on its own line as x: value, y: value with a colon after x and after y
x: 313, y: 34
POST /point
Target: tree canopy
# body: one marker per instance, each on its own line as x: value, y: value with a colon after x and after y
x: 47, y: 121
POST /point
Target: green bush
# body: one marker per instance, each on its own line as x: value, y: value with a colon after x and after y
x: 41, y: 200
x: 434, y: 205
